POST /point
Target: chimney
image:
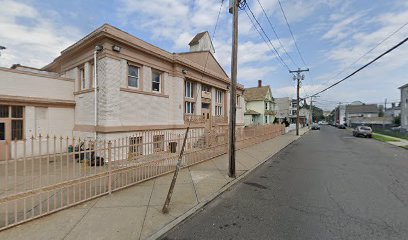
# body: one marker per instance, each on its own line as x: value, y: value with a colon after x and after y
x: 259, y: 83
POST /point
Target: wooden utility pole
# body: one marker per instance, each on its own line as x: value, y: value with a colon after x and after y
x: 234, y: 4
x: 298, y: 78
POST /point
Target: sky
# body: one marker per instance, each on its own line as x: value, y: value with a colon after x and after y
x: 330, y: 34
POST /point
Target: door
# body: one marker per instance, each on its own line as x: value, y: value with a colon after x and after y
x: 4, y: 135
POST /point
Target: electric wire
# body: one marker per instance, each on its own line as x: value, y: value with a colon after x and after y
x: 269, y: 40
x: 276, y: 34
x: 291, y: 33
x: 361, y: 68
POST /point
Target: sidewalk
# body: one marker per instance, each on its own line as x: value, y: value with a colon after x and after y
x: 398, y: 141
x: 135, y: 212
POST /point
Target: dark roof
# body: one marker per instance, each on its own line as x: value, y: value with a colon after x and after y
x: 403, y: 86
x: 256, y: 93
x: 197, y: 38
x: 251, y: 112
x: 365, y: 108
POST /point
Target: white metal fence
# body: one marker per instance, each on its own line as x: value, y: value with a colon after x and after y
x: 53, y: 173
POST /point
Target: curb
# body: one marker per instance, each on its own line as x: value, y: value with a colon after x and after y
x: 202, y: 204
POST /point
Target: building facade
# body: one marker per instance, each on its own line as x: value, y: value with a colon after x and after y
x: 404, y: 106
x: 137, y: 86
x: 259, y: 105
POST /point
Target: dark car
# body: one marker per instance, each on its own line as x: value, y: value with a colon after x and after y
x: 363, y: 131
x: 315, y: 126
x: 342, y: 126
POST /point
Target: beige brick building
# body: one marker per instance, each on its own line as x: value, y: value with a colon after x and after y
x: 139, y: 86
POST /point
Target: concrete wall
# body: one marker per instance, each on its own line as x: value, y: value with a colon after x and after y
x: 17, y: 83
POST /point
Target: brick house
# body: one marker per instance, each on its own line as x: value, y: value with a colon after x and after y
x: 139, y: 87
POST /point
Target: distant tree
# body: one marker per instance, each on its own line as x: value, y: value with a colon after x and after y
x: 275, y: 121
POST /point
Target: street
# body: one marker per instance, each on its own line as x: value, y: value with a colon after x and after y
x: 326, y: 185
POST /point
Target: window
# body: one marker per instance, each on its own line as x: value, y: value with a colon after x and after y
x: 17, y: 112
x: 4, y: 111
x: 266, y: 119
x: 158, y: 143
x: 16, y: 129
x: 91, y: 75
x: 133, y: 76
x: 205, y: 88
x: 218, y: 96
x: 189, y: 108
x: 238, y: 101
x: 82, y: 78
x: 266, y: 105
x: 2, y: 131
x: 156, y: 81
x: 189, y: 90
x: 218, y: 103
x: 136, y: 146
x: 218, y: 111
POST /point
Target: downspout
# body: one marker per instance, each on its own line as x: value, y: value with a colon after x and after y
x: 98, y: 48
x: 95, y: 93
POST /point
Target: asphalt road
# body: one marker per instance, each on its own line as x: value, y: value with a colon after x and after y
x: 326, y: 185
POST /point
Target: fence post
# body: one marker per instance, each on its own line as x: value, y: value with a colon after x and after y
x: 110, y: 167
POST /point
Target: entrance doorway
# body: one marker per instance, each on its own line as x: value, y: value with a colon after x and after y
x: 4, y: 136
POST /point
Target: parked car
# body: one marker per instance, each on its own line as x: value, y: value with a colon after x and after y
x: 315, y: 126
x: 363, y: 131
x: 342, y: 126
x: 396, y: 128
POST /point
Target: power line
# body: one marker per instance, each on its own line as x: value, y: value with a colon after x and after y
x: 276, y: 51
x: 291, y: 33
x: 369, y: 51
x: 366, y: 65
x: 276, y: 34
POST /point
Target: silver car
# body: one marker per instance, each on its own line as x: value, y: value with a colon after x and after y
x: 363, y: 131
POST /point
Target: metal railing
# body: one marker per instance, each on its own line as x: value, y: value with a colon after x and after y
x: 46, y: 174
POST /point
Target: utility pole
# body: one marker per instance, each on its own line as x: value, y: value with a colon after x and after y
x: 311, y: 109
x: 234, y: 4
x: 299, y: 77
x: 384, y: 108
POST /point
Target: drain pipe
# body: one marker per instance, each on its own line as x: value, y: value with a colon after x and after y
x: 98, y: 48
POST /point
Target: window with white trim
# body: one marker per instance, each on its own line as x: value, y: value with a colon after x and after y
x: 189, y: 107
x: 219, y: 97
x: 156, y: 81
x: 82, y: 78
x: 189, y: 90
x: 133, y: 76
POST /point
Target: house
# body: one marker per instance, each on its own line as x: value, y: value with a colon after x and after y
x: 340, y: 114
x: 404, y: 106
x: 358, y: 109
x: 394, y: 111
x: 137, y: 86
x: 258, y: 105
x: 282, y: 108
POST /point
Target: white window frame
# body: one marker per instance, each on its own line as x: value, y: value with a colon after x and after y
x: 82, y: 80
x: 218, y: 96
x: 189, y: 90
x: 159, y: 82
x: 132, y: 76
x: 189, y: 108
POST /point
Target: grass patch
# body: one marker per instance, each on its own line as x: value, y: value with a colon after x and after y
x: 384, y: 138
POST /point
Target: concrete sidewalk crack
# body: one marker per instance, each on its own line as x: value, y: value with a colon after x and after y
x: 147, y: 208
x: 80, y: 220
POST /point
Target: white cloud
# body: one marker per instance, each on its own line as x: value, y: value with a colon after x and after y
x: 36, y: 43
